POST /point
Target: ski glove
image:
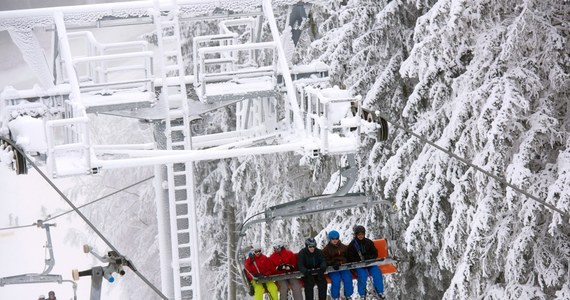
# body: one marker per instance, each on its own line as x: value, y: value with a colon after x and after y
x: 284, y: 267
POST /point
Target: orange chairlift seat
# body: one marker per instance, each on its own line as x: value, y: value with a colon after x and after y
x: 382, y: 247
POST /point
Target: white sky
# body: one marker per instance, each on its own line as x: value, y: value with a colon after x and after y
x: 29, y: 197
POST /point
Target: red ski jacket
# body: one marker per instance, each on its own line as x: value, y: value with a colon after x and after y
x: 258, y: 265
x: 286, y: 259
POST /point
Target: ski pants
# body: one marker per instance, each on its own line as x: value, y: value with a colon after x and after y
x: 320, y: 281
x: 295, y: 287
x: 259, y: 289
x: 376, y: 274
x: 336, y: 277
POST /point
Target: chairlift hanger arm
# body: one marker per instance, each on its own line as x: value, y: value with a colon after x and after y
x: 311, y: 205
x: 351, y: 173
x: 50, y: 262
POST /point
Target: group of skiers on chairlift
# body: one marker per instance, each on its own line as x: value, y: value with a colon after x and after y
x: 312, y: 263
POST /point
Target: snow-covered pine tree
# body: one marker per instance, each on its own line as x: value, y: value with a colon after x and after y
x: 489, y: 95
x: 489, y: 83
x: 503, y: 68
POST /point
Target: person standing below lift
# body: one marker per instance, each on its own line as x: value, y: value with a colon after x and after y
x: 258, y: 265
x: 335, y: 254
x: 361, y: 249
x: 312, y: 264
x: 285, y: 261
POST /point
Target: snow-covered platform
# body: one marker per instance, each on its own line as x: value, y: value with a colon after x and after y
x: 113, y: 100
x: 242, y: 88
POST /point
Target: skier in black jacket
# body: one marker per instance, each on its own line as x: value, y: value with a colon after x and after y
x: 361, y: 249
x: 312, y: 263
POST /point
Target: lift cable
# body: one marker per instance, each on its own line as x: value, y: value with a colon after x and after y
x: 81, y: 206
x: 101, y: 198
x: 477, y: 168
x: 18, y: 227
x: 93, y: 227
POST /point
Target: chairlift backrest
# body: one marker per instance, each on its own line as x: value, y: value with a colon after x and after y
x: 382, y: 247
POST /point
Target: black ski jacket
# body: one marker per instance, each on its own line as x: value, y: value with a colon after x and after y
x: 366, y: 247
x: 307, y: 260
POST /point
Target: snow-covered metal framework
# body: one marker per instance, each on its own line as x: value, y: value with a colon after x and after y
x: 278, y: 108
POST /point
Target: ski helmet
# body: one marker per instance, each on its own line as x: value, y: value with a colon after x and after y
x: 255, y: 247
x: 359, y: 229
x: 310, y: 242
x: 333, y: 234
x: 278, y: 243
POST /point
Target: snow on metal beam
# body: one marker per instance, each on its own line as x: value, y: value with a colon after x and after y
x: 34, y: 56
x: 192, y: 155
x: 90, y: 14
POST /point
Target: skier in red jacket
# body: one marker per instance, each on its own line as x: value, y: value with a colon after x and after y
x: 285, y: 261
x: 258, y: 265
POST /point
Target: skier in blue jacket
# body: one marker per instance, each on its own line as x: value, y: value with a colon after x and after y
x: 361, y: 249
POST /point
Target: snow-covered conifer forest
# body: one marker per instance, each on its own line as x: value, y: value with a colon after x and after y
x: 486, y: 80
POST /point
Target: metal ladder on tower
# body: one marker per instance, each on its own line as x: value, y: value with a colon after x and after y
x: 180, y: 176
